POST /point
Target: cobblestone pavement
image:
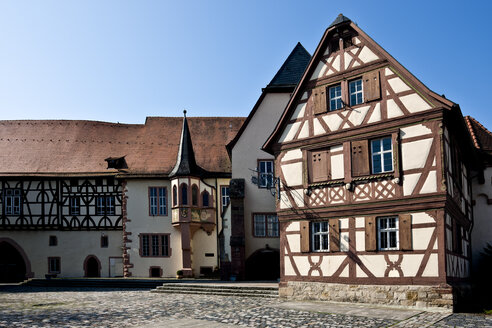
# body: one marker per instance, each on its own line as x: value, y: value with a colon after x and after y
x: 41, y: 307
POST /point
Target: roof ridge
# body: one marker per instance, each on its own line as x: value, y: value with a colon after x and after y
x: 472, y: 131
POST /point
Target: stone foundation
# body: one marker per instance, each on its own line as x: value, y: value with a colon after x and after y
x: 419, y: 297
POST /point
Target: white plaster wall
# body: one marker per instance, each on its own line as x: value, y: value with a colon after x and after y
x: 73, y: 248
x: 244, y: 158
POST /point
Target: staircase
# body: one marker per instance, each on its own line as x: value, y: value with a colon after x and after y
x: 95, y: 283
x: 223, y: 289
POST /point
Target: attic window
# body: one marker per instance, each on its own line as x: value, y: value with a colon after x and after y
x: 116, y: 163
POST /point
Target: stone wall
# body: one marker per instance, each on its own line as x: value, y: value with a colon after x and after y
x: 418, y: 297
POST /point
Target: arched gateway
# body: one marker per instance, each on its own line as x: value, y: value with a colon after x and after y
x: 14, y: 264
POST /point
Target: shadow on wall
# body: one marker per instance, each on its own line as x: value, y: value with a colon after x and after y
x: 12, y: 265
x: 264, y: 264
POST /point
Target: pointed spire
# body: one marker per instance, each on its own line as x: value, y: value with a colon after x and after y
x: 185, y: 162
x: 340, y: 19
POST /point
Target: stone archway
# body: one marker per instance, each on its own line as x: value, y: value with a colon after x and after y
x: 14, y: 264
x: 92, y: 267
x: 264, y: 264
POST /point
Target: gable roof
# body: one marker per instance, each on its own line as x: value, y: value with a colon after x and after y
x: 291, y: 71
x: 482, y: 138
x: 285, y: 80
x: 338, y: 23
x: 65, y: 147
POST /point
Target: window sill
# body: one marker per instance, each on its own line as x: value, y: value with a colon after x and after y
x: 326, y: 183
x: 378, y: 176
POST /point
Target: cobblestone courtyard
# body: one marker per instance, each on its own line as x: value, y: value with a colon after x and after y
x: 41, y: 307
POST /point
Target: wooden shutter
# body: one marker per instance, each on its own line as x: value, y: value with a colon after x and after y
x: 360, y: 158
x: 372, y: 90
x: 319, y: 166
x: 319, y: 96
x: 305, y: 240
x: 371, y: 244
x: 334, y: 235
x: 405, y: 227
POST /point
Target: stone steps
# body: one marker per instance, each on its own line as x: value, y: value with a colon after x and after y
x: 95, y: 283
x: 218, y: 289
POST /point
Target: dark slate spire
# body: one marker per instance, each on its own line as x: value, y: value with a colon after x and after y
x: 292, y: 69
x: 185, y: 162
x: 340, y: 19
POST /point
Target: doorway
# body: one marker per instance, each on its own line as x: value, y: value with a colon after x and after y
x: 92, y: 267
x: 12, y: 264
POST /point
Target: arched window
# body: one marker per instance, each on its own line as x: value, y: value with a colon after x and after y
x: 205, y: 199
x: 194, y: 195
x: 175, y: 196
x: 184, y: 194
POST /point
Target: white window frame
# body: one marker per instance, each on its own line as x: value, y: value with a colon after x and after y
x: 356, y: 92
x: 324, y: 232
x: 74, y: 205
x: 272, y: 225
x: 224, y: 195
x: 380, y: 154
x: 110, y: 208
x: 338, y: 96
x: 100, y: 205
x: 265, y: 173
x: 13, y: 201
x: 387, y: 231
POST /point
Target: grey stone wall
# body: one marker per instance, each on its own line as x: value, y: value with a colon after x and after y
x: 420, y: 297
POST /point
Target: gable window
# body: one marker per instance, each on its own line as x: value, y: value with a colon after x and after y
x: 157, y: 201
x: 265, y: 172
x: 105, y: 205
x: 184, y: 194
x: 54, y: 265
x: 175, y: 196
x: 12, y: 201
x: 388, y: 233
x: 154, y: 245
x: 320, y: 237
x: 335, y: 94
x: 265, y: 225
x: 205, y: 199
x: 224, y: 197
x: 53, y: 241
x: 194, y: 195
x: 74, y: 205
x: 382, y: 155
x: 104, y: 241
x: 356, y: 92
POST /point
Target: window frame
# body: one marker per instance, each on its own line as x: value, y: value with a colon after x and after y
x: 387, y: 231
x: 183, y: 194
x: 320, y: 234
x: 104, y: 241
x: 225, y: 200
x: 57, y: 261
x: 267, y: 225
x: 194, y: 194
x: 356, y: 92
x: 108, y: 206
x: 267, y: 185
x: 161, y: 209
x: 52, y: 241
x: 205, y: 195
x: 74, y: 206
x: 12, y: 209
x: 340, y: 97
x: 381, y: 154
x: 151, y: 246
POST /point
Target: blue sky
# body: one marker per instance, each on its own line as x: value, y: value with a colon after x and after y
x: 125, y: 60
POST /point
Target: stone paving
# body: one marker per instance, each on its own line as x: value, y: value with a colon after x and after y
x: 83, y: 307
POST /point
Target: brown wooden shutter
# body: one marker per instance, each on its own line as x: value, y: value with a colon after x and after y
x: 405, y: 227
x: 305, y: 240
x: 334, y: 235
x: 372, y: 90
x: 319, y: 166
x: 360, y: 158
x: 371, y: 244
x: 319, y: 96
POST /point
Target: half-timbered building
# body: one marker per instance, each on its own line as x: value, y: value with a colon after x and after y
x: 375, y: 199
x: 96, y: 199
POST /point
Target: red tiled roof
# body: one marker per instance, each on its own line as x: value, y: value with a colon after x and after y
x: 482, y: 138
x: 80, y: 147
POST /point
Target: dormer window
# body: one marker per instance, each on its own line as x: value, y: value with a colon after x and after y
x: 116, y: 163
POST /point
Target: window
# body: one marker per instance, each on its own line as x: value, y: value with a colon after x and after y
x: 319, y: 166
x: 205, y: 199
x: 105, y: 205
x: 265, y: 174
x: 382, y: 155
x: 54, y: 265
x: 175, y: 196
x: 388, y: 233
x: 104, y: 241
x: 12, y: 201
x: 53, y: 241
x: 184, y: 194
x: 154, y: 245
x: 194, y: 195
x: 224, y: 192
x: 356, y: 93
x: 157, y: 201
x: 74, y: 205
x: 265, y: 225
x: 319, y: 237
x: 335, y: 93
